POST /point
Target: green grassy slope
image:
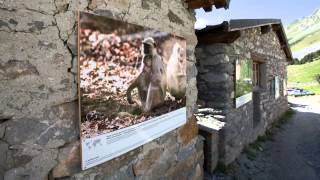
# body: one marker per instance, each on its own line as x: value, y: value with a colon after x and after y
x: 303, y: 76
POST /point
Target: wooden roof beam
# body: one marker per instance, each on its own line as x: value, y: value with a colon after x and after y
x: 195, y: 4
x: 221, y: 3
x: 207, y: 8
x: 221, y: 37
x: 265, y: 29
x: 207, y: 4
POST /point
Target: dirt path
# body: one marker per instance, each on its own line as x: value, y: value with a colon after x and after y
x: 293, y: 153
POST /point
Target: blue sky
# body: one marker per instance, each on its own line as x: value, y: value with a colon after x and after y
x: 286, y: 10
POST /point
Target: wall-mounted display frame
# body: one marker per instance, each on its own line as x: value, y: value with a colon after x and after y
x: 277, y: 87
x: 132, y: 85
x: 284, y: 89
x: 243, y: 81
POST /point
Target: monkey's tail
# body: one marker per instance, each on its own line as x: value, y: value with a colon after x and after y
x: 129, y: 90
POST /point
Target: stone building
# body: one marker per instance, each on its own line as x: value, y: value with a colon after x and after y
x: 263, y: 44
x: 39, y: 134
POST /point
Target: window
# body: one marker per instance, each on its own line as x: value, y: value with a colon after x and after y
x: 275, y: 87
x: 256, y: 74
x: 259, y: 74
x: 272, y: 88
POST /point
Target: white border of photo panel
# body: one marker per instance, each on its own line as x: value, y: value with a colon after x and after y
x: 243, y: 99
x: 105, y: 147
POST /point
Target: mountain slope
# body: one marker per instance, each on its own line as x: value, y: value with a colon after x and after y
x: 303, y: 76
x: 304, y: 35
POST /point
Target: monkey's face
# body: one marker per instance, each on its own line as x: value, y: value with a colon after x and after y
x: 147, y: 48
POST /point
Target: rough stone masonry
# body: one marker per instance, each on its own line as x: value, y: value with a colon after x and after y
x: 39, y: 134
x: 216, y: 86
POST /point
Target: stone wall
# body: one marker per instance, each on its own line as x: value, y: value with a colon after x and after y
x: 215, y: 76
x: 216, y: 88
x: 39, y: 134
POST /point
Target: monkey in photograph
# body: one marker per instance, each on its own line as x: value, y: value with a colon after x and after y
x: 176, y: 72
x: 151, y: 82
x: 158, y: 84
x: 141, y: 82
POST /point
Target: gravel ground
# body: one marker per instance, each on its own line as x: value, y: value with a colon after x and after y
x: 291, y: 153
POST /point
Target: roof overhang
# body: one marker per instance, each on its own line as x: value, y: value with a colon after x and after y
x: 228, y: 32
x: 207, y: 4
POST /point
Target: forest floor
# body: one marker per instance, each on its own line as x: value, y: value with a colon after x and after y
x: 290, y: 152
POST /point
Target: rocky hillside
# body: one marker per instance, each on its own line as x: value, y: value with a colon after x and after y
x: 304, y: 35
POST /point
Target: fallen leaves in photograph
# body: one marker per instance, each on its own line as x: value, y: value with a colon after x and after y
x: 94, y: 128
x: 97, y: 123
x: 108, y: 63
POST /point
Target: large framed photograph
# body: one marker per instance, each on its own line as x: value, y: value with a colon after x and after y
x: 132, y: 84
x: 243, y: 81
